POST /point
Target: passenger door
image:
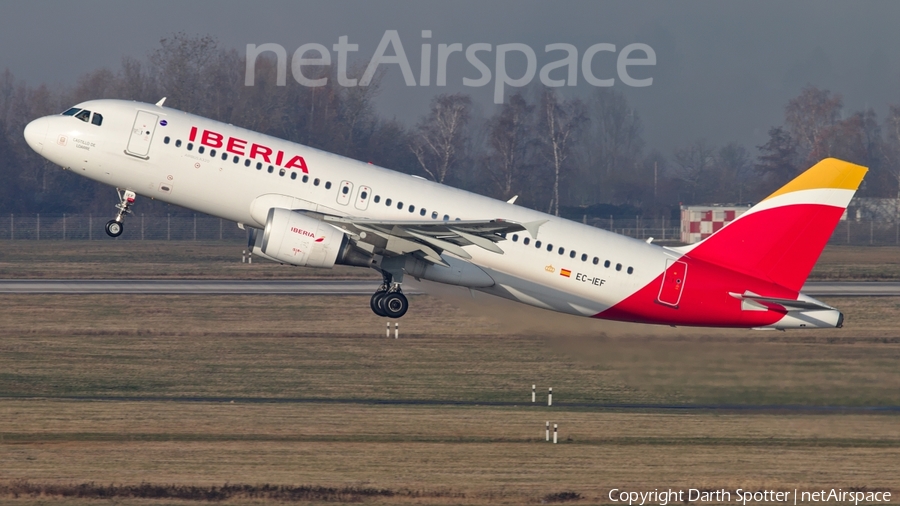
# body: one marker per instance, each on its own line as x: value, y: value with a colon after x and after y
x: 142, y: 134
x: 672, y: 283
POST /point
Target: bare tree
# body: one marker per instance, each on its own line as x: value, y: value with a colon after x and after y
x: 440, y: 139
x: 558, y: 124
x: 694, y: 166
x: 182, y: 66
x: 810, y: 119
x: 510, y: 140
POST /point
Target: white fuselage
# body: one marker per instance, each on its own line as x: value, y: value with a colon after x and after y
x: 227, y: 188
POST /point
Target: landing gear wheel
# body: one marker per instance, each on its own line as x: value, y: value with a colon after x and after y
x: 114, y: 228
x: 394, y: 305
x: 375, y: 302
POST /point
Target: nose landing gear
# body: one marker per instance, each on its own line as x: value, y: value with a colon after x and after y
x: 389, y: 300
x: 116, y: 226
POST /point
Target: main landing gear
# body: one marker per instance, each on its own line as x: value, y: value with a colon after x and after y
x: 389, y: 300
x: 115, y: 227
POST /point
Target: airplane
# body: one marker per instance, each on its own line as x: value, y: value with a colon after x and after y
x: 306, y: 207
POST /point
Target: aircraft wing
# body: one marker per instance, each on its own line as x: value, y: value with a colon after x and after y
x: 428, y: 239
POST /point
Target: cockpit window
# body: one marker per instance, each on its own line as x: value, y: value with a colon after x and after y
x: 97, y: 119
x: 84, y: 115
x: 71, y: 112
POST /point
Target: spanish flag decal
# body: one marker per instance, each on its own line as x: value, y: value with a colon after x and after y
x: 565, y: 272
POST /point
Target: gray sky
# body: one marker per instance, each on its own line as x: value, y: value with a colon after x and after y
x: 724, y: 69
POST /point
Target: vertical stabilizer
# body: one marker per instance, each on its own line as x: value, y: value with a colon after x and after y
x: 781, y: 238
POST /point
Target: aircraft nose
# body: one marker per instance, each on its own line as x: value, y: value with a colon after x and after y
x: 36, y: 133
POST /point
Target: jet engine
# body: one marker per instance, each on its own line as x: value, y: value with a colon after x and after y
x: 295, y: 238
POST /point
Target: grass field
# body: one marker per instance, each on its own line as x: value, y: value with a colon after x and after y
x: 217, y: 260
x: 197, y: 391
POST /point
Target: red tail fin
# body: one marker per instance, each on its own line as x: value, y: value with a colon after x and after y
x: 781, y: 238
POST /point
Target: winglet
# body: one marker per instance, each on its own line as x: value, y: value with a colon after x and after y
x: 161, y: 101
x: 512, y: 200
x: 533, y: 226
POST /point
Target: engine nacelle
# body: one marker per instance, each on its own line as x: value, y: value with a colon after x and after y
x: 294, y: 238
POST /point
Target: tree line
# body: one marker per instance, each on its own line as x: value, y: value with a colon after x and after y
x: 565, y: 156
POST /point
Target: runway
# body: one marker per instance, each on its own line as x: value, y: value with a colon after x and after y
x: 449, y: 402
x: 325, y: 287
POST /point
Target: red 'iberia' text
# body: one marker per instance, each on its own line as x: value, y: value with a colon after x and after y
x: 254, y: 151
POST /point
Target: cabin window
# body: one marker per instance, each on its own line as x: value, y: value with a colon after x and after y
x: 618, y: 267
x: 562, y: 250
x: 293, y: 175
x: 305, y: 178
x: 572, y: 254
x: 596, y: 260
x: 345, y: 190
x: 166, y: 140
x: 97, y: 119
x: 630, y: 270
x: 224, y: 156
x: 434, y: 215
x: 281, y: 172
x: 584, y: 257
x: 190, y: 146
x: 399, y: 205
x: 525, y: 241
x: 212, y: 153
x: 364, y: 195
x: 271, y: 169
x: 178, y: 143
x: 412, y: 208
x: 549, y: 247
x: 422, y: 212
x: 327, y: 185
x: 377, y: 198
x: 446, y: 217
x: 316, y: 182
x: 387, y: 202
x: 515, y: 237
x: 200, y: 149
x: 537, y: 244
x: 247, y: 162
x: 236, y: 159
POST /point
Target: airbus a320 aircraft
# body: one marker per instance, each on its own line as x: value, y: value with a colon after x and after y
x: 311, y: 208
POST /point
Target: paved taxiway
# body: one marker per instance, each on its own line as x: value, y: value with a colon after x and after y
x: 323, y: 287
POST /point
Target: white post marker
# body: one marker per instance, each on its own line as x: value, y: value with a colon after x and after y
x: 533, y: 393
x: 243, y: 256
x: 250, y: 257
x: 550, y: 397
x: 387, y: 333
x: 396, y: 330
x: 548, y: 431
x: 554, y: 433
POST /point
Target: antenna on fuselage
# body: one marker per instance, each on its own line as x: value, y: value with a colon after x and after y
x: 160, y: 103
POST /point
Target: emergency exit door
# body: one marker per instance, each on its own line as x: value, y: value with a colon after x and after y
x: 142, y: 134
x: 672, y: 283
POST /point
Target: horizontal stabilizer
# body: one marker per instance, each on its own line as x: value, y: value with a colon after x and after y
x: 788, y: 304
